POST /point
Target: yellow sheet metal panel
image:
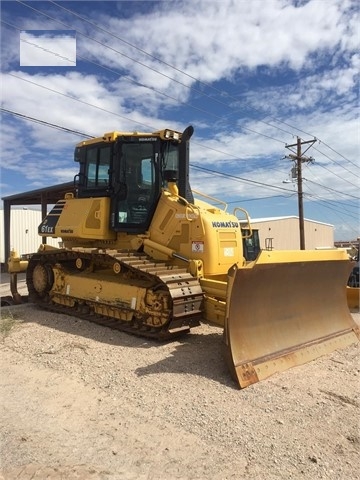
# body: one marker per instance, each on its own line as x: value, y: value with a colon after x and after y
x: 298, y: 256
x: 210, y: 235
x: 84, y: 218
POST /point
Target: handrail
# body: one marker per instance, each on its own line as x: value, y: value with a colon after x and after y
x: 247, y: 220
x: 211, y: 198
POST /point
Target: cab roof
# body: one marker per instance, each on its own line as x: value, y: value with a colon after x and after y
x: 166, y: 134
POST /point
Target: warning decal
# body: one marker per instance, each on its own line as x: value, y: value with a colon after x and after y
x: 197, y: 247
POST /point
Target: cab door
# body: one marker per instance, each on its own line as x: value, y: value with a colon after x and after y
x: 136, y: 185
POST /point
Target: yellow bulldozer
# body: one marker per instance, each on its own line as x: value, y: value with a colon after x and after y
x: 140, y: 254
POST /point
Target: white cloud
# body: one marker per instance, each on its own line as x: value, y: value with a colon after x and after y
x: 214, y: 39
x: 47, y: 49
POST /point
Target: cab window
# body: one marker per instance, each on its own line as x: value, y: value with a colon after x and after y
x: 97, y: 166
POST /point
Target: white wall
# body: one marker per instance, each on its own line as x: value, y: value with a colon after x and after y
x: 284, y: 232
x: 24, y: 236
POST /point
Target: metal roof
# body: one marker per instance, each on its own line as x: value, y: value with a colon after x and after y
x: 42, y: 196
x: 35, y: 197
x: 286, y: 217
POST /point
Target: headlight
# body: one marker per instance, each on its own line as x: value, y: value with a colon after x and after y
x: 170, y: 134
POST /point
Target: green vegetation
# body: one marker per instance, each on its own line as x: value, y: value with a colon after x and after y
x: 8, y: 321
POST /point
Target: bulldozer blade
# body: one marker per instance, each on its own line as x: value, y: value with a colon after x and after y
x: 284, y: 310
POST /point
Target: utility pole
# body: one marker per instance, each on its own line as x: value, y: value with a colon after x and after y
x: 299, y: 159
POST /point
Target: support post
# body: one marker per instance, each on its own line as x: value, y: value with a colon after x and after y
x: 299, y: 158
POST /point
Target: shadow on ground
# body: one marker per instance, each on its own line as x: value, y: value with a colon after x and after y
x: 193, y: 353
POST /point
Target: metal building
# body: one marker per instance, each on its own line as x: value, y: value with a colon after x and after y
x: 24, y: 236
x: 42, y: 197
x: 282, y: 233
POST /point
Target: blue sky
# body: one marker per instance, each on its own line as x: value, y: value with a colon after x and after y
x: 250, y: 76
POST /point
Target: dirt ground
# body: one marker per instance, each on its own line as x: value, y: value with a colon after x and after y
x: 81, y: 401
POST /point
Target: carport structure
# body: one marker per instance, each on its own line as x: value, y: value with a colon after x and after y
x: 43, y: 196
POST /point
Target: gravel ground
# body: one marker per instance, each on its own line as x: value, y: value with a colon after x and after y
x: 81, y: 401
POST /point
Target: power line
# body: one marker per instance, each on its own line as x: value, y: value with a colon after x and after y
x: 333, y: 205
x: 335, y: 211
x: 161, y: 73
x: 124, y: 55
x: 112, y: 113
x: 118, y: 115
x: 337, y: 163
x: 336, y: 175
x: 221, y: 92
x: 240, y: 179
x: 340, y: 155
x: 46, y: 124
x: 251, y: 130
x: 68, y: 130
x: 210, y: 171
x: 146, y: 86
x: 141, y: 84
x: 332, y: 189
x: 43, y: 48
x: 80, y: 101
x: 243, y: 200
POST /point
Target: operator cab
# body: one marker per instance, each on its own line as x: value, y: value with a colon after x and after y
x: 251, y: 244
x: 131, y: 169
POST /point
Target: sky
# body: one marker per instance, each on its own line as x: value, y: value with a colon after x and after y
x: 251, y: 77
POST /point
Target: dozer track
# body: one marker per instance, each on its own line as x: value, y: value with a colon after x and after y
x: 123, y: 290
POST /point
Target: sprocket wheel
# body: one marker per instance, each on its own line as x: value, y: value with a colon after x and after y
x: 42, y: 279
